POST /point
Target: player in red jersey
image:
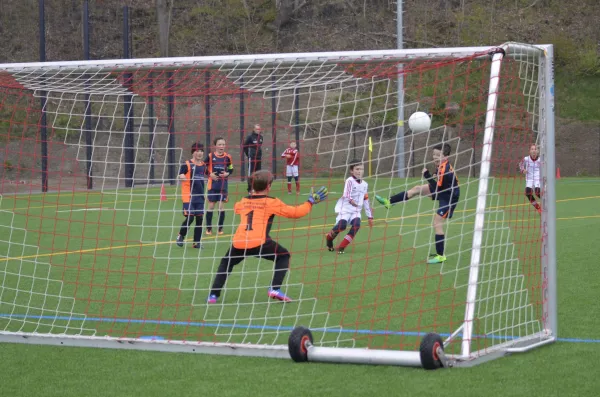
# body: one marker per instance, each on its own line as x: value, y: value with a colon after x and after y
x: 292, y: 159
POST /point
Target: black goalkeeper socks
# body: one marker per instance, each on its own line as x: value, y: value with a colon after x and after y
x: 221, y: 219
x: 209, y: 215
x: 439, y: 244
x: 198, y: 229
x: 402, y: 196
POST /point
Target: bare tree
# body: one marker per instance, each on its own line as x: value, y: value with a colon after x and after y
x: 286, y: 9
x: 163, y: 14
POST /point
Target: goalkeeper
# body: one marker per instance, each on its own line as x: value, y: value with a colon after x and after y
x: 252, y: 235
x: 442, y: 187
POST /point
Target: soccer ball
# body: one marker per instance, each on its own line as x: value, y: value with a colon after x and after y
x: 419, y: 122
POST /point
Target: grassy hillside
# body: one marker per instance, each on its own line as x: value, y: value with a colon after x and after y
x: 211, y: 27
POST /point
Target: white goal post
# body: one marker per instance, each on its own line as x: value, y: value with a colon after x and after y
x: 90, y: 205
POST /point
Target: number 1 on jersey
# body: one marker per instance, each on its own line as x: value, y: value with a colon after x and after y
x: 249, y: 217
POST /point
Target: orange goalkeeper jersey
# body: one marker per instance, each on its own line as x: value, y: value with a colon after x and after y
x: 257, y: 213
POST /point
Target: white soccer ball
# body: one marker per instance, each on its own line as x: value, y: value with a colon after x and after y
x: 419, y: 122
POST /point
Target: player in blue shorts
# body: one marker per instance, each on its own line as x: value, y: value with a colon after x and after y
x: 193, y: 175
x: 442, y: 187
x: 220, y: 167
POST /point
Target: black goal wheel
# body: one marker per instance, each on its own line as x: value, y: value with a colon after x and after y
x: 429, y: 351
x: 297, y: 344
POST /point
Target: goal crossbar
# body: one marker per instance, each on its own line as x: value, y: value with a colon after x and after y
x: 214, y: 62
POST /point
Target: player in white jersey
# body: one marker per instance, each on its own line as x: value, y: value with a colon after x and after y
x: 349, y: 207
x: 531, y: 167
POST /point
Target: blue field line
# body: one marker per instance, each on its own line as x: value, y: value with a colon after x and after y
x: 265, y: 327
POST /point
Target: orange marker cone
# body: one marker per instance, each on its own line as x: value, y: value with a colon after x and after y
x: 557, y: 173
x: 163, y: 193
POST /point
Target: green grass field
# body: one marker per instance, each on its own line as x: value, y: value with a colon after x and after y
x: 113, y: 264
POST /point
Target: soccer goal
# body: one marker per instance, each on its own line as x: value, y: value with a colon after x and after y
x: 90, y: 204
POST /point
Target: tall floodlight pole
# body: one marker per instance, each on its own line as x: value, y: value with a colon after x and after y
x: 88, y: 104
x: 43, y: 98
x: 400, y: 134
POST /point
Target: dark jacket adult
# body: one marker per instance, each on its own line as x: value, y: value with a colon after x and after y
x: 253, y: 146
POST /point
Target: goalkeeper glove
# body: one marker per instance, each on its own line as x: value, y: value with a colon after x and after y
x: 318, y: 196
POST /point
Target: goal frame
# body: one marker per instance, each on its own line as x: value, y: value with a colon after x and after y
x: 356, y: 355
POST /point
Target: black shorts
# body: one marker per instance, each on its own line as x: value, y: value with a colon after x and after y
x: 270, y: 250
x: 447, y: 206
x: 193, y: 209
x: 530, y: 190
x: 216, y: 195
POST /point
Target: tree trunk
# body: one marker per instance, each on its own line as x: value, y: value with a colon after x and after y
x: 286, y: 9
x: 163, y: 14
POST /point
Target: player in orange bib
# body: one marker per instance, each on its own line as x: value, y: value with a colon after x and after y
x: 251, y: 238
x: 192, y: 175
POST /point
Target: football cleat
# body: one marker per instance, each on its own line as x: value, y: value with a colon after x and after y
x: 179, y: 240
x: 329, y: 245
x: 212, y: 299
x: 277, y: 294
x: 197, y: 245
x: 436, y: 259
x: 385, y: 202
x: 209, y: 231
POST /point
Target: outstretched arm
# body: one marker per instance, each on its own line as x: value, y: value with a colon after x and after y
x: 291, y: 211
